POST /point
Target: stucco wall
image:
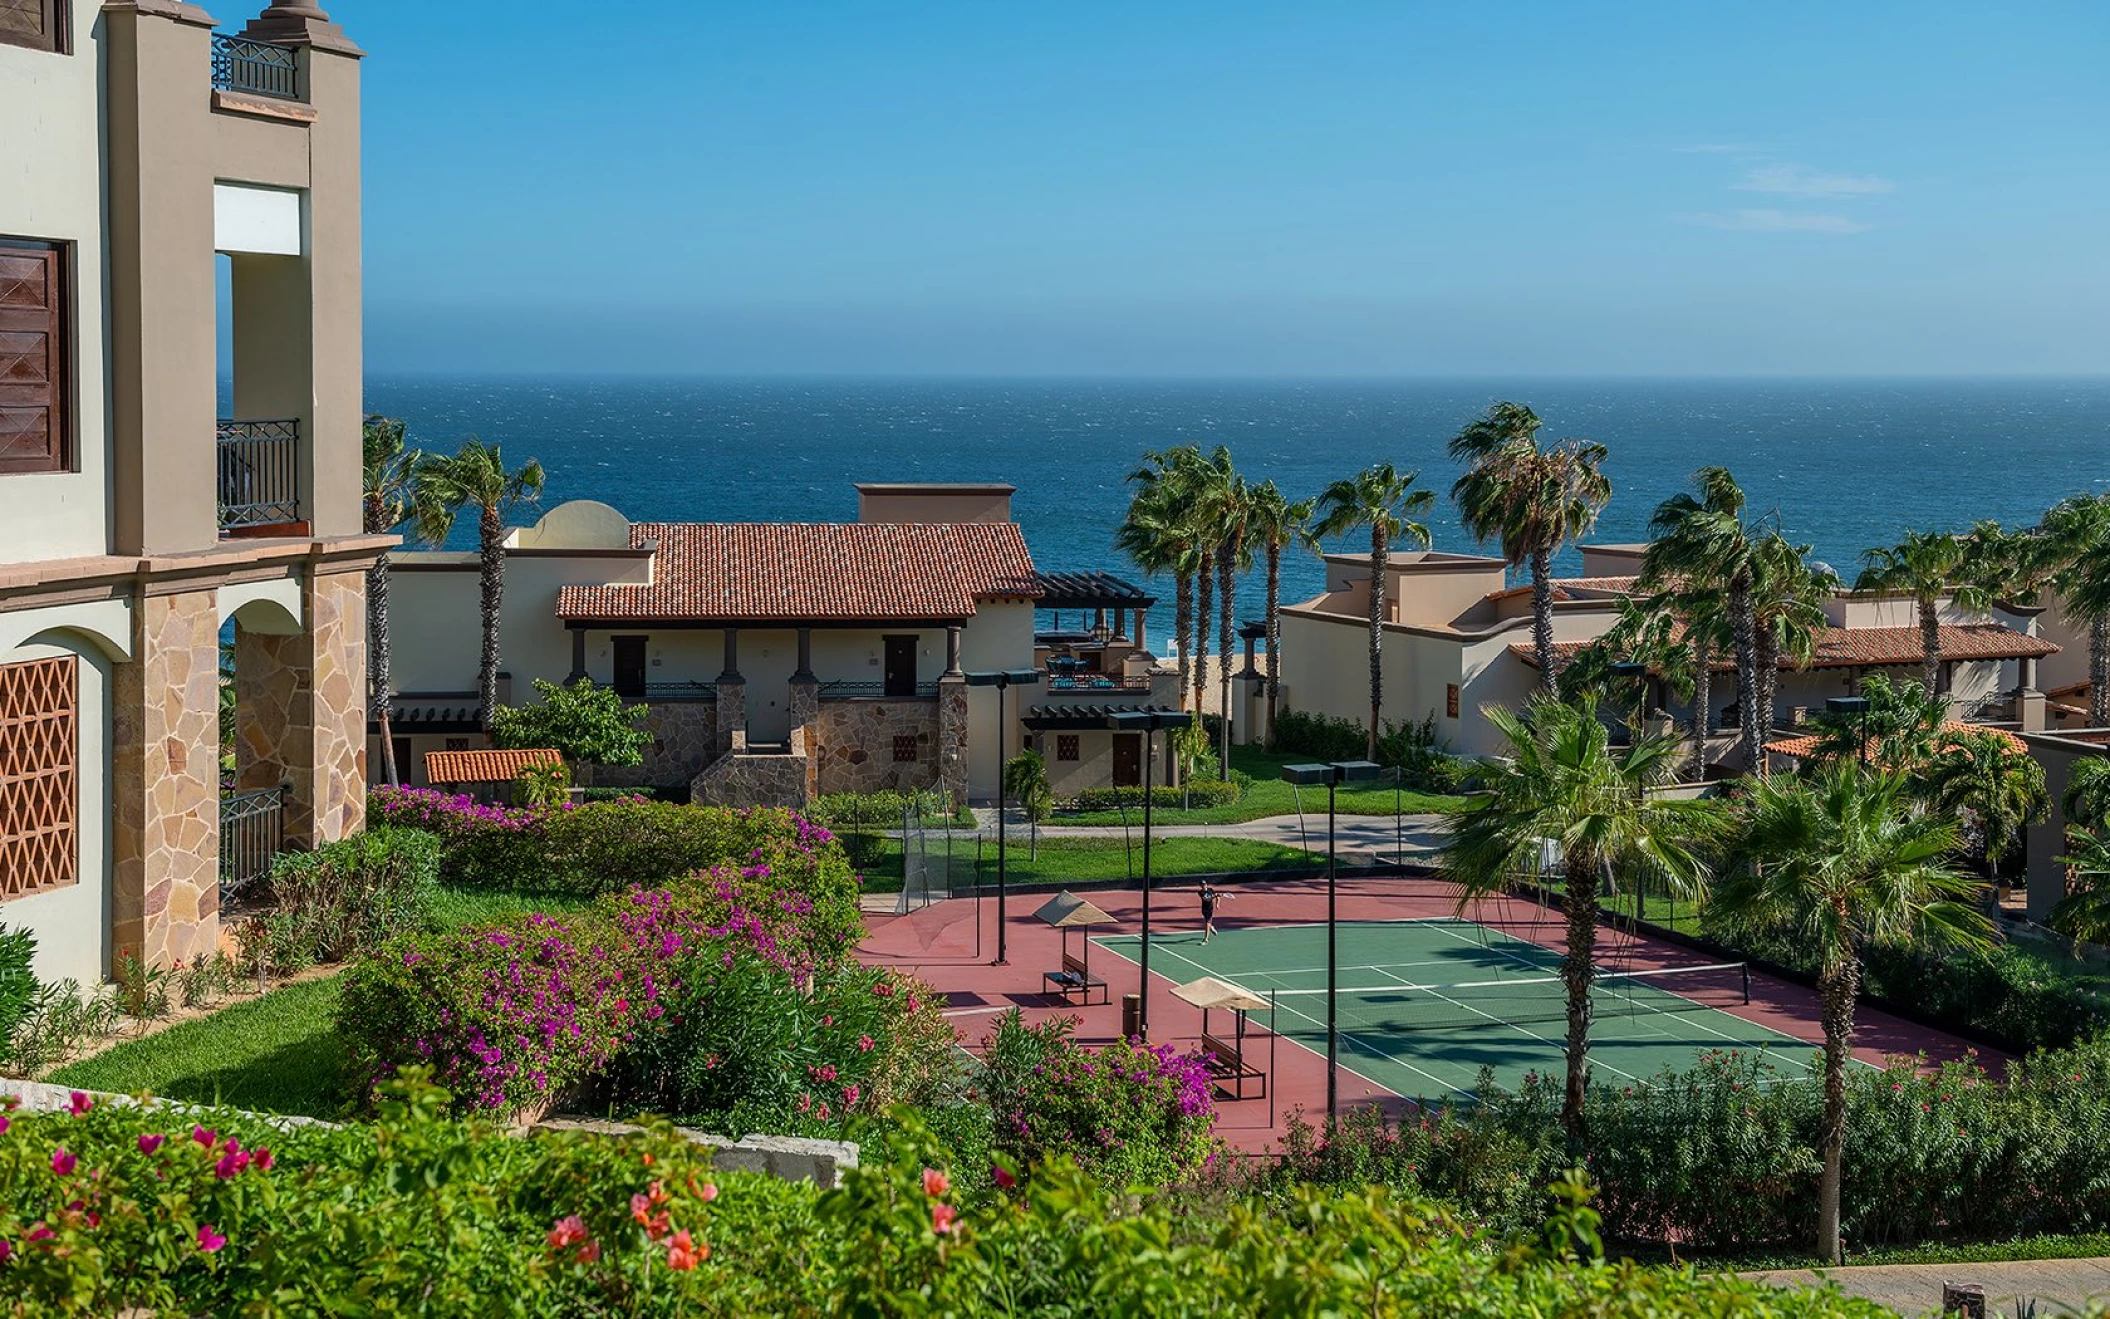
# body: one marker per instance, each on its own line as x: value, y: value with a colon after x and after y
x: 72, y: 924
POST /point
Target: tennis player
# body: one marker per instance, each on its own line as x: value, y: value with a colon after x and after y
x: 1210, y: 897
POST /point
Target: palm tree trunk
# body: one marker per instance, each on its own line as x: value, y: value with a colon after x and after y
x: 493, y: 530
x: 2099, y: 671
x: 1836, y: 990
x: 377, y: 664
x: 1274, y: 635
x: 1226, y: 607
x: 1702, y: 699
x: 1578, y: 969
x: 1204, y: 593
x: 1542, y: 616
x: 1182, y: 620
x: 1378, y: 559
x: 1768, y: 675
x: 1930, y: 645
x: 1745, y: 627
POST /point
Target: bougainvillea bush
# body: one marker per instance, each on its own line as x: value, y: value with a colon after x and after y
x: 1129, y: 1112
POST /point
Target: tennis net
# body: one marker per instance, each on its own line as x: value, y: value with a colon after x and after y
x: 1516, y: 1000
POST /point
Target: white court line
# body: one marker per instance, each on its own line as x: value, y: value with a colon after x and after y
x: 1560, y: 1047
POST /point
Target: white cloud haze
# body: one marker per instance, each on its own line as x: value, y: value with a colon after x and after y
x: 1765, y: 220
x: 1802, y: 181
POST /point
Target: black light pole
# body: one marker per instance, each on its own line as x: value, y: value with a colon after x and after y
x: 1858, y: 705
x: 1332, y: 775
x: 1147, y: 722
x: 1003, y: 680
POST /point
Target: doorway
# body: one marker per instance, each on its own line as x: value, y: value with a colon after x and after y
x: 900, y: 666
x: 1128, y: 760
x: 629, y: 666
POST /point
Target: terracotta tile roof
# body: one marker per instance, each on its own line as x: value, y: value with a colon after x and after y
x: 821, y: 571
x: 1801, y: 747
x: 484, y: 766
x: 1873, y: 647
x: 1597, y: 583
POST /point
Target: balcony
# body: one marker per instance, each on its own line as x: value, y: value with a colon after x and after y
x: 255, y: 68
x: 1074, y: 683
x: 258, y: 476
x: 866, y: 691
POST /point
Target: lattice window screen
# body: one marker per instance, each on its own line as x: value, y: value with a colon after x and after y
x: 39, y: 745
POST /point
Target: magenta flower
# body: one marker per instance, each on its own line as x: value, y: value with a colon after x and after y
x: 63, y: 1163
x: 209, y: 1240
x: 150, y: 1141
x: 204, y: 1137
x: 79, y: 1103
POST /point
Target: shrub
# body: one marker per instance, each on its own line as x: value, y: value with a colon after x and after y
x: 353, y: 895
x: 588, y: 724
x: 541, y: 785
x: 1131, y: 1113
x: 1320, y: 736
x: 18, y: 984
x: 1201, y: 794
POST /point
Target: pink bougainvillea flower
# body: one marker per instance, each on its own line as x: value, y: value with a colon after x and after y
x: 1004, y: 1180
x: 209, y: 1240
x: 864, y: 1044
x: 708, y: 1193
x: 5, y: 1250
x: 590, y: 1252
x: 204, y: 1137
x: 3, y: 1126
x: 683, y: 1253
x: 62, y: 1163
x: 39, y: 1232
x: 657, y: 1194
x: 640, y: 1207
x: 263, y: 1159
x: 935, y: 1183
x: 79, y: 1103
x: 150, y: 1141
x: 569, y: 1230
x: 941, y: 1217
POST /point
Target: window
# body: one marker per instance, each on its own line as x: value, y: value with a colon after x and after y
x: 1450, y: 699
x: 905, y: 748
x: 37, y: 24
x: 39, y: 747
x: 35, y: 411
x: 457, y: 744
x: 1066, y: 746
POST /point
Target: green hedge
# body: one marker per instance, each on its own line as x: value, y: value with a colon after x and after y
x: 352, y: 895
x: 18, y: 985
x: 1201, y: 794
x: 215, y: 1213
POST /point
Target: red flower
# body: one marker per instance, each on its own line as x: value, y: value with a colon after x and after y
x: 941, y: 1217
x: 590, y: 1252
x: 3, y: 1126
x: 209, y: 1240
x: 568, y: 1231
x: 204, y: 1137
x: 935, y: 1183
x: 150, y: 1142
x: 79, y: 1103
x: 62, y: 1163
x: 1004, y: 1180
x: 864, y: 1044
x: 708, y: 1193
x: 682, y: 1253
x: 263, y: 1159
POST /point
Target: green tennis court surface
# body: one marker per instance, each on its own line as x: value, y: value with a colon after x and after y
x: 1425, y: 1004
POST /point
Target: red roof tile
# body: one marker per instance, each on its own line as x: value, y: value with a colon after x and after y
x: 822, y: 571
x: 1873, y: 647
x: 1597, y: 583
x: 484, y: 766
x: 1801, y: 747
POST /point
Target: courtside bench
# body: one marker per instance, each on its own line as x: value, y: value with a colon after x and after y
x: 1229, y: 1069
x: 1075, y: 982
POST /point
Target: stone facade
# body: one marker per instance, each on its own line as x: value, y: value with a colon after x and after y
x: 165, y: 782
x: 684, y: 741
x: 952, y: 740
x: 303, y: 713
x: 742, y: 778
x: 732, y: 714
x: 854, y: 744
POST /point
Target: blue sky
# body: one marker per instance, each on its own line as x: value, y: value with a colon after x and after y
x: 1158, y: 187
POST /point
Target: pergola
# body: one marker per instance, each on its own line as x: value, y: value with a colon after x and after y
x: 1097, y: 592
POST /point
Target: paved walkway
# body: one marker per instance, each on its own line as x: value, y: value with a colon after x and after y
x: 1359, y: 835
x: 1915, y: 1289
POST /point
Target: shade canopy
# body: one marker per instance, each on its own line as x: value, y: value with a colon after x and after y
x: 1067, y: 911
x: 1209, y: 992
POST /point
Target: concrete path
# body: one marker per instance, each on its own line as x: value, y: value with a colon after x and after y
x: 1361, y: 835
x: 2054, y: 1285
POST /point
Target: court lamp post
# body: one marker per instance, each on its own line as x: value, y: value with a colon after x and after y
x: 1841, y: 707
x: 1003, y: 680
x: 1148, y: 723
x: 1332, y: 774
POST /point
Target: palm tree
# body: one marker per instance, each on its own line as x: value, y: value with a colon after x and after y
x: 1704, y: 538
x: 1226, y: 508
x: 2084, y: 913
x: 1159, y: 535
x: 1383, y: 499
x: 1563, y: 780
x: 477, y: 477
x: 1995, y: 790
x: 1926, y: 565
x: 2087, y: 796
x: 2073, y: 555
x: 1900, y: 733
x: 1788, y: 599
x: 1275, y: 524
x: 388, y: 499
x: 1845, y: 860
x: 1532, y: 499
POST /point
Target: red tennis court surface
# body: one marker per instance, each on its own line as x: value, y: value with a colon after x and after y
x: 946, y: 945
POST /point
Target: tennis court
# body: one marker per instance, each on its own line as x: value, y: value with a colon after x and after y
x: 1426, y: 1004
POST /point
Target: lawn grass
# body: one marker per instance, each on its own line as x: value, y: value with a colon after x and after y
x: 478, y: 906
x: 1080, y: 860
x: 273, y: 1054
x: 1268, y: 795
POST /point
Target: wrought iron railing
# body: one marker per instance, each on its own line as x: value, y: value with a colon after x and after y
x: 844, y: 691
x: 256, y: 67
x: 1072, y: 683
x: 259, y: 473
x: 674, y: 691
x: 252, y: 831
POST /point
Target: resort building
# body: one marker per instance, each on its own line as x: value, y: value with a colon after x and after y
x: 141, y: 525
x: 778, y: 661
x: 1458, y: 637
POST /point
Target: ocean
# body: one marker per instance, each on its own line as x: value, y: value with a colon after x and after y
x: 1842, y: 464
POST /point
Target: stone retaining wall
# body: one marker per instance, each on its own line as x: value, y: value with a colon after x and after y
x: 855, y: 744
x: 684, y: 741
x: 741, y: 778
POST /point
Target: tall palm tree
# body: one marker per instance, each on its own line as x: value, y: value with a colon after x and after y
x: 2084, y: 913
x: 1159, y: 534
x: 1704, y: 538
x: 2073, y: 556
x: 477, y: 477
x: 1788, y: 598
x: 1226, y: 510
x: 1926, y: 565
x: 1900, y: 733
x: 2086, y: 801
x: 1845, y: 860
x: 1275, y: 524
x: 1562, y: 779
x: 1997, y: 791
x: 1384, y: 500
x: 388, y: 499
x: 1532, y: 499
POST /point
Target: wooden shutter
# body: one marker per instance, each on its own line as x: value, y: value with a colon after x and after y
x: 39, y: 793
x: 37, y: 24
x: 33, y: 404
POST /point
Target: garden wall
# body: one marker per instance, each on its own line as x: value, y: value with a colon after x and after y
x: 854, y: 742
x: 684, y: 741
